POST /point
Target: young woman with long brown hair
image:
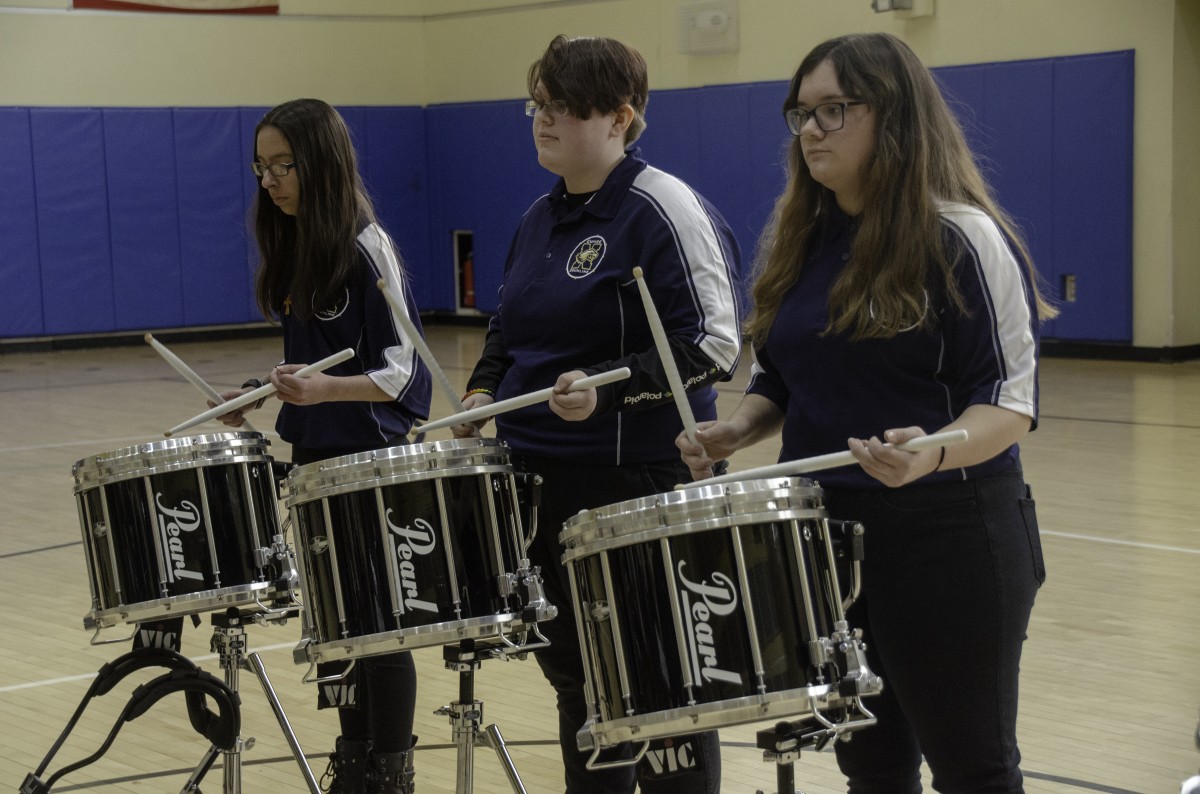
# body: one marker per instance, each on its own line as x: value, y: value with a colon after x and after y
x: 894, y: 299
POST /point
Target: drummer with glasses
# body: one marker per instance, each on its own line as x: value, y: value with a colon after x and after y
x: 570, y: 307
x: 323, y: 253
x: 894, y: 299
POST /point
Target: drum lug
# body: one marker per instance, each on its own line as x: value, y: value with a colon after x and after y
x: 537, y: 608
x: 858, y: 679
x: 277, y: 551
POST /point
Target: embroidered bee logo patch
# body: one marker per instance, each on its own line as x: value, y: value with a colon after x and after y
x: 586, y: 257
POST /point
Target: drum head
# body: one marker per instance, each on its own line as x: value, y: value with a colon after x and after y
x: 169, y: 454
x: 695, y: 509
x: 393, y: 465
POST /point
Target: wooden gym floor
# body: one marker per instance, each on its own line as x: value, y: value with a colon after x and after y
x: 1111, y: 681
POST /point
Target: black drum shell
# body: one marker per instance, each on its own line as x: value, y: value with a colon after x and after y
x: 178, y: 527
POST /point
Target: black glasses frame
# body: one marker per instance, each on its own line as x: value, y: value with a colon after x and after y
x: 796, y: 118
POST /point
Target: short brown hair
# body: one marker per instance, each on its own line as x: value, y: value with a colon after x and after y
x: 593, y: 74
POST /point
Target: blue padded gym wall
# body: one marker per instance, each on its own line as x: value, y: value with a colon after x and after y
x: 139, y: 157
x: 124, y: 219
x: 1055, y: 137
x: 71, y: 197
x: 20, y: 262
x: 483, y: 175
x: 390, y: 142
x: 213, y: 225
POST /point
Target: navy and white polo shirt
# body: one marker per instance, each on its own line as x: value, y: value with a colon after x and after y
x: 361, y: 320
x: 569, y: 301
x: 831, y: 388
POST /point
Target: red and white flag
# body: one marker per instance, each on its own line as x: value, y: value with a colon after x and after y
x: 184, y: 6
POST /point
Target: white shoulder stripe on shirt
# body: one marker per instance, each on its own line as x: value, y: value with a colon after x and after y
x: 1002, y: 277
x: 709, y: 275
x: 395, y: 376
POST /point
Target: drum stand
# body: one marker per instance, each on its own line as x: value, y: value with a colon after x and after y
x: 466, y: 714
x: 781, y: 744
x: 229, y: 643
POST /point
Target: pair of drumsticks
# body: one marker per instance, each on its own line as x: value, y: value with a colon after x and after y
x: 463, y: 416
x: 678, y: 393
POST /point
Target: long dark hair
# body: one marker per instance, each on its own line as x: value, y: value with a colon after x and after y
x: 308, y: 258
x: 920, y: 157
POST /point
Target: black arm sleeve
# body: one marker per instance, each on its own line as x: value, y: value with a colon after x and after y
x: 494, y: 362
x: 648, y: 386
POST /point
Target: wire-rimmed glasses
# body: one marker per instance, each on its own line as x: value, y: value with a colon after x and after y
x: 555, y: 107
x: 276, y: 169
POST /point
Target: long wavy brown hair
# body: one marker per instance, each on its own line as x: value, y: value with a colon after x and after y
x: 308, y: 258
x: 920, y: 157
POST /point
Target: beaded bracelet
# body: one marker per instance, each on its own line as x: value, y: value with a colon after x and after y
x: 488, y: 392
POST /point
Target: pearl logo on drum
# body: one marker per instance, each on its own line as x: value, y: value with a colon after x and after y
x: 416, y: 539
x: 700, y: 603
x: 172, y: 522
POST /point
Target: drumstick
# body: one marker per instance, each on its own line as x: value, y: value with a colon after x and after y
x: 190, y: 375
x: 423, y: 350
x: 266, y: 390
x: 830, y: 461
x: 668, y: 360
x: 523, y: 400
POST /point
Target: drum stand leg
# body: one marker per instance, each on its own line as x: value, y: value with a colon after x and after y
x: 466, y: 714
x: 229, y: 643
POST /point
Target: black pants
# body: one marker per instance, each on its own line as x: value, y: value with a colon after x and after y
x: 682, y: 765
x: 376, y: 701
x: 949, y: 580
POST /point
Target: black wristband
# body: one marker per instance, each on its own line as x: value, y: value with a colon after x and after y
x: 255, y: 383
x: 941, y: 460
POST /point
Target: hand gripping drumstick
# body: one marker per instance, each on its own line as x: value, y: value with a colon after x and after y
x: 830, y: 461
x: 523, y: 400
x: 189, y: 374
x: 265, y: 390
x: 418, y: 341
x: 668, y: 360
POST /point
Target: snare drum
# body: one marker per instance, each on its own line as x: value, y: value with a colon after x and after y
x: 407, y: 547
x: 180, y: 526
x: 712, y: 606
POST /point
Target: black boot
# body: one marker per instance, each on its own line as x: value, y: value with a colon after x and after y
x: 347, y: 770
x: 392, y: 773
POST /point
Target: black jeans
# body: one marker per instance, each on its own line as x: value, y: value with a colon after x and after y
x: 681, y: 765
x: 376, y: 701
x: 949, y: 581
